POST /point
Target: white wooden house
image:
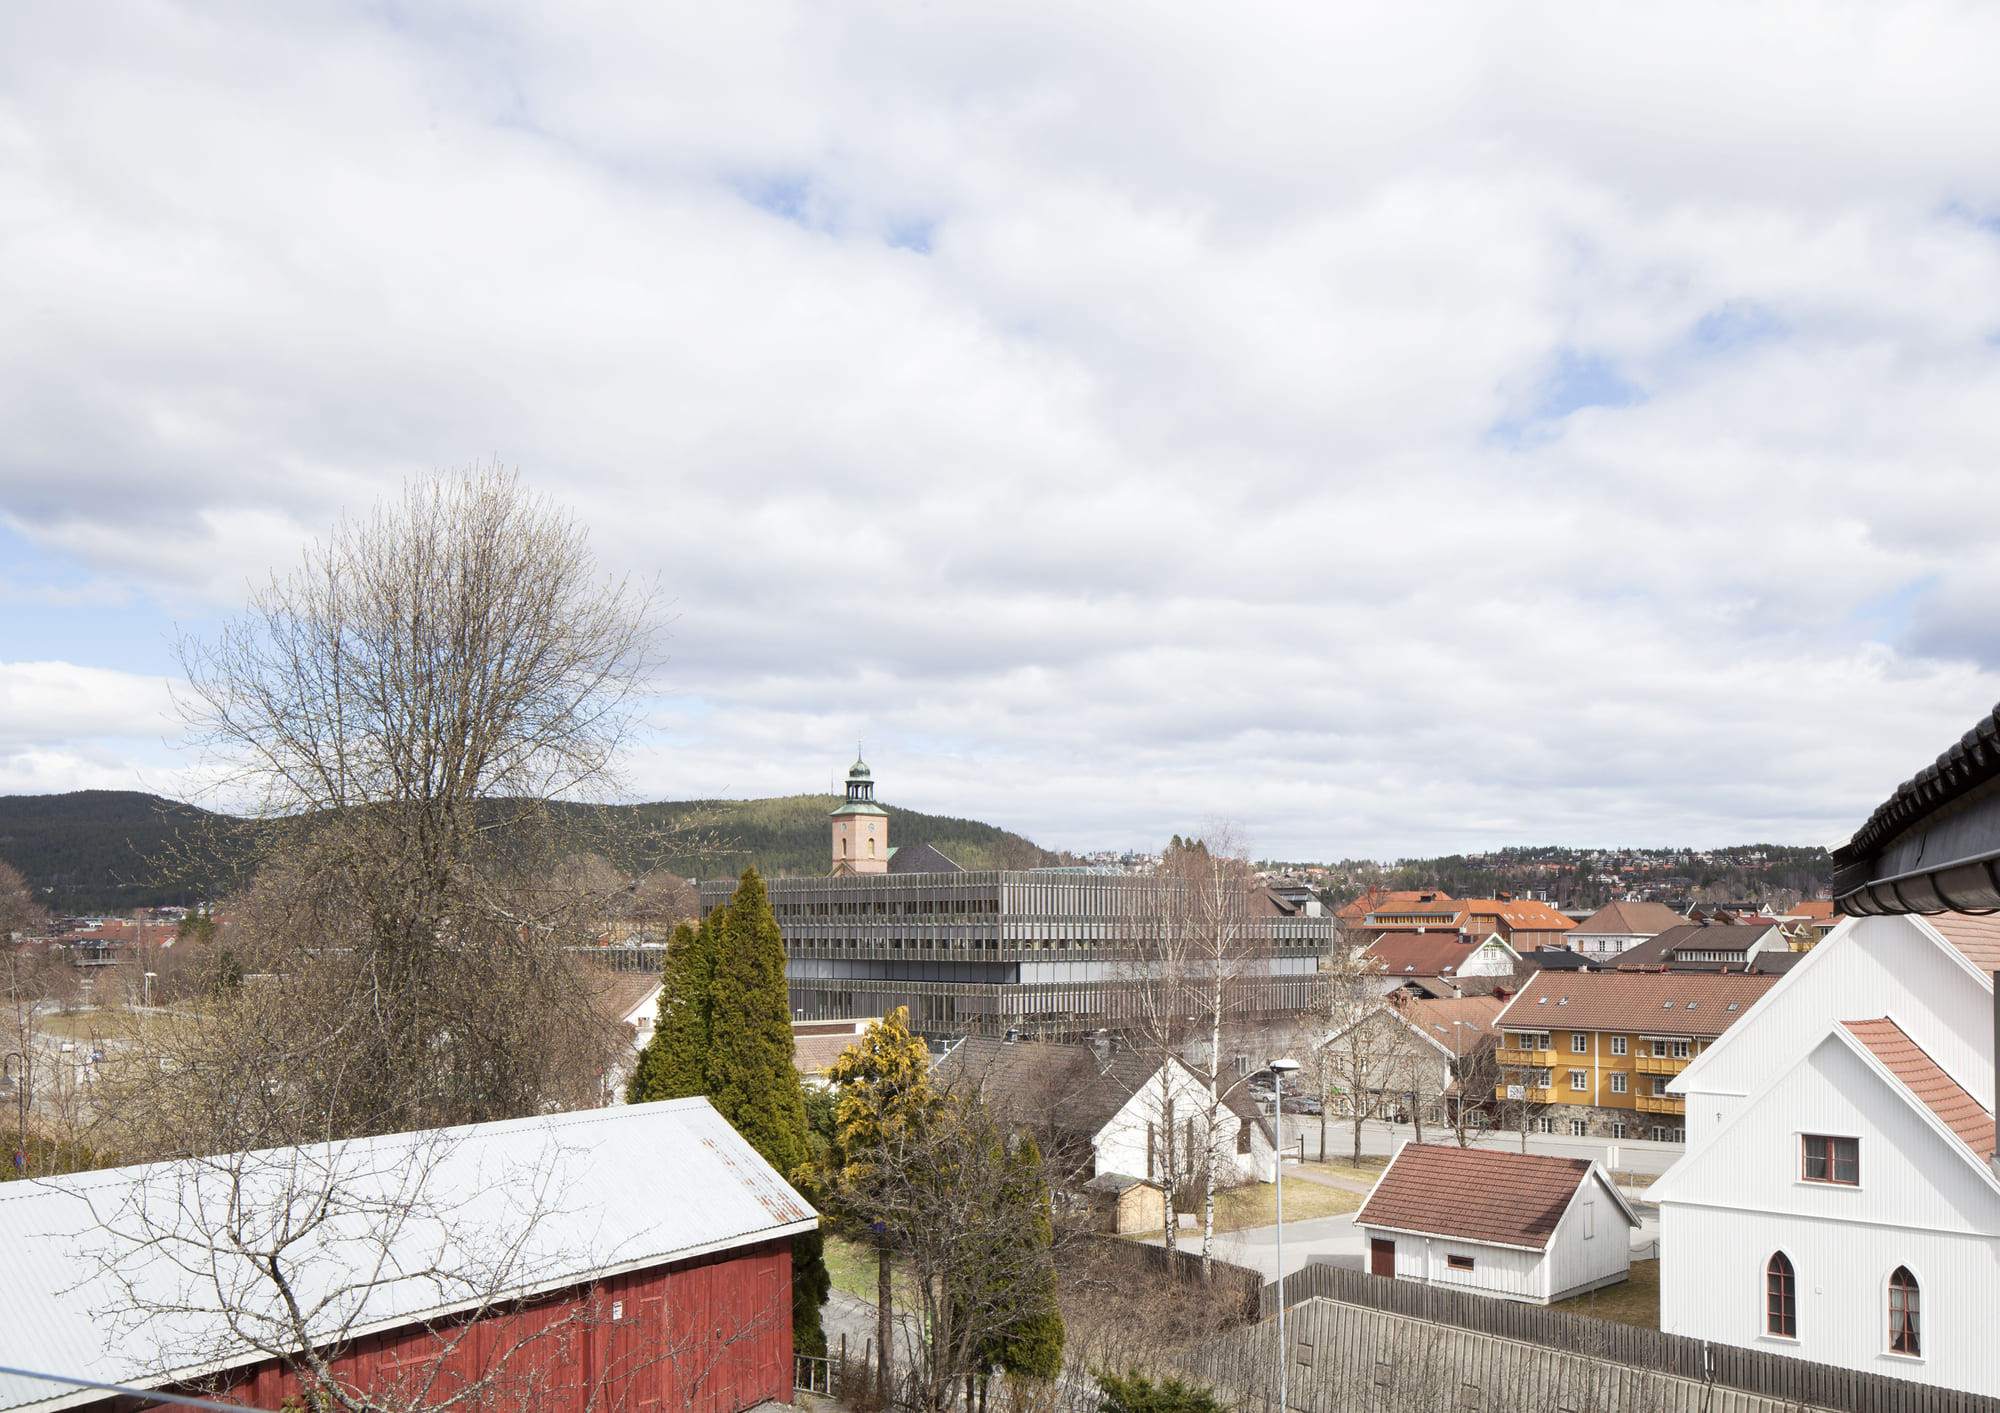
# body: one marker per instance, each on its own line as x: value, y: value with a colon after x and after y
x: 1520, y: 1226
x: 1138, y: 1116
x: 1837, y: 1200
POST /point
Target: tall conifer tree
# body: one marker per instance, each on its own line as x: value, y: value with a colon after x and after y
x: 1032, y: 1346
x: 725, y: 1030
x: 751, y: 1079
x: 674, y: 1064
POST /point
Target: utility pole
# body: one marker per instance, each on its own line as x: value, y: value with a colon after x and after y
x: 1279, y: 1069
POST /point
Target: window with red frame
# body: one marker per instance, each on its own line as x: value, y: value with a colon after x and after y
x: 1827, y: 1159
x: 1781, y: 1297
x: 1903, y: 1337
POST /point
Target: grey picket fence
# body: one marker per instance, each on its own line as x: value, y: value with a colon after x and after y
x: 1732, y: 1366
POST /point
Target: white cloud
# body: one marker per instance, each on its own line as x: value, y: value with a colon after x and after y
x: 1396, y: 430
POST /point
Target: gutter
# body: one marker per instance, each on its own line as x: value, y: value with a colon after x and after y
x: 1934, y: 845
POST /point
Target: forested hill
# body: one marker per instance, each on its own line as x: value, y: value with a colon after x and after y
x: 96, y: 851
x: 104, y: 850
x: 792, y: 835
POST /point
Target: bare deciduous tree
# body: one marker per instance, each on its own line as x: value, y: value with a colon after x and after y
x: 1349, y: 1064
x: 410, y: 714
x: 964, y: 1202
x: 297, y: 1255
x: 1192, y: 970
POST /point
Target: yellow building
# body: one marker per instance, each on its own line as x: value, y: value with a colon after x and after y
x: 1599, y: 1048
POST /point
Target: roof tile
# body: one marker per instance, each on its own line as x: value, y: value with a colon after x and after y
x: 1649, y: 1002
x: 1476, y: 1194
x: 1977, y: 936
x: 1936, y: 1090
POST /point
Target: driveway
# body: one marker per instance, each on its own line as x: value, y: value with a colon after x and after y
x: 1335, y: 1240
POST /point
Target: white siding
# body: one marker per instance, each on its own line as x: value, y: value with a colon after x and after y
x: 1593, y: 1242
x: 1921, y: 1203
x: 1496, y: 1270
x: 1842, y: 1274
x: 1572, y: 1259
x: 1121, y: 1147
x: 1866, y: 968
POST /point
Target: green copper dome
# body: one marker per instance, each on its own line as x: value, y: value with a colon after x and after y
x: 860, y: 790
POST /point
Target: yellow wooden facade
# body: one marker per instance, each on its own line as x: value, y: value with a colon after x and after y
x: 1605, y: 1069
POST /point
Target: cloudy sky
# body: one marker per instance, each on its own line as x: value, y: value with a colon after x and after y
x: 1396, y: 429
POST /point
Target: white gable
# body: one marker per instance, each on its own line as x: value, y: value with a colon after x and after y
x: 1914, y: 1173
x: 1866, y: 968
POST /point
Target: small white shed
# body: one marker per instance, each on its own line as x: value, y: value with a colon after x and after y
x: 1520, y: 1226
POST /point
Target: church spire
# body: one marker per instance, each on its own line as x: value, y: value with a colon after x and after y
x: 860, y: 826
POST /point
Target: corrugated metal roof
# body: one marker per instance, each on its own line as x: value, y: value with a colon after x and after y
x: 515, y: 1207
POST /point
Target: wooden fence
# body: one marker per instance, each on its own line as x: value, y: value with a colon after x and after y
x: 624, y: 958
x: 1346, y: 1359
x: 1145, y: 1261
x: 1730, y: 1366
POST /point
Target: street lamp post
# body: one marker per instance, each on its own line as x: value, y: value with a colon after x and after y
x: 21, y: 1094
x: 1279, y: 1069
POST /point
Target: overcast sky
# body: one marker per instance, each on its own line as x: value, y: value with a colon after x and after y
x: 1396, y: 430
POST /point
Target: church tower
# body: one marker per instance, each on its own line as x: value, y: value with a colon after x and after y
x: 860, y: 826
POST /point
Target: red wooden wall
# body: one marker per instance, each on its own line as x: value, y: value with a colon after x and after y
x: 712, y: 1335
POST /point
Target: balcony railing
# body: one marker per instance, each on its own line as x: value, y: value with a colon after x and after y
x: 1661, y: 1104
x: 1661, y: 1064
x: 1527, y: 1059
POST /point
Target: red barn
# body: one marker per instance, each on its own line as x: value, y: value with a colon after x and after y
x: 623, y: 1260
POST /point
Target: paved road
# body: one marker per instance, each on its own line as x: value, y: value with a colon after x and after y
x: 1335, y: 1239
x: 1641, y: 1157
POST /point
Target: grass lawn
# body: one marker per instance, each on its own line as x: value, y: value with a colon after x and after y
x: 1636, y: 1301
x: 1256, y: 1204
x: 1367, y: 1171
x: 852, y: 1266
x: 85, y: 1025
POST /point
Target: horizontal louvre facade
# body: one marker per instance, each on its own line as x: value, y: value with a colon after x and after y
x: 1049, y: 953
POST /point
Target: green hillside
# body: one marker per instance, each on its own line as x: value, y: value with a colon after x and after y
x: 107, y: 850
x: 791, y: 835
x: 96, y: 851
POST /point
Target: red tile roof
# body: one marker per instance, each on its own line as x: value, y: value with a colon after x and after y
x: 1976, y: 937
x: 1936, y: 1090
x: 1433, y: 1019
x: 1636, y: 1002
x: 1422, y: 953
x: 1475, y: 1194
x: 1377, y: 899
x: 1629, y: 920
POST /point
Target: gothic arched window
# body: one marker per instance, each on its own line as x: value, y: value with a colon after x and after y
x: 1781, y: 1299
x: 1903, y: 1335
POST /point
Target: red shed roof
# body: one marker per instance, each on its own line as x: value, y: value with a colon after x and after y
x: 1475, y: 1194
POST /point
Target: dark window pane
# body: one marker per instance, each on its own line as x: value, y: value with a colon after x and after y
x: 1781, y: 1303
x: 1903, y: 1312
x: 1847, y: 1160
x: 1815, y: 1150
